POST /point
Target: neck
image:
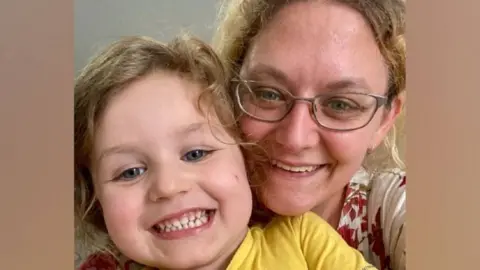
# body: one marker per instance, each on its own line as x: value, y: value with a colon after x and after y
x: 331, y: 209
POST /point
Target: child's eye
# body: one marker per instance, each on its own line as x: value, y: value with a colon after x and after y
x: 131, y: 173
x: 195, y: 155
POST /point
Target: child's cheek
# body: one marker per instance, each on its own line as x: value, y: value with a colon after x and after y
x: 121, y: 213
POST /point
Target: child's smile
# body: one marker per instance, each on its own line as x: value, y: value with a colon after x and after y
x: 184, y: 223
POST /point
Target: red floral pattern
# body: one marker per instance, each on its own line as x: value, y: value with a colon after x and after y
x: 99, y: 261
x: 404, y: 181
x: 376, y: 241
x: 355, y: 229
x: 104, y: 261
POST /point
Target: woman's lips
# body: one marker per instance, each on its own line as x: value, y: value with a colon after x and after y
x: 290, y: 170
x: 295, y: 168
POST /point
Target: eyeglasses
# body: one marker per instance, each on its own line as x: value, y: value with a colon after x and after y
x: 335, y: 111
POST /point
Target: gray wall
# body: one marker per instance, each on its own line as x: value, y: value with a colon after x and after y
x: 99, y: 22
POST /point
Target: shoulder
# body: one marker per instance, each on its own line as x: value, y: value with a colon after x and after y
x: 306, y: 228
x: 305, y: 221
x: 382, y: 189
x: 388, y: 191
x: 99, y: 261
x: 323, y: 247
x: 387, y: 217
x: 382, y: 179
x: 295, y: 228
x: 310, y: 220
x: 374, y: 215
x: 394, y: 178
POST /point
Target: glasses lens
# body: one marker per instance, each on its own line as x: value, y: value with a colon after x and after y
x: 262, y: 102
x: 345, y: 111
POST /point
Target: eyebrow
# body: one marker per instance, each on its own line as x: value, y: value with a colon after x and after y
x: 216, y: 130
x: 191, y: 128
x: 262, y: 70
x: 118, y: 149
x: 348, y: 83
x: 181, y: 133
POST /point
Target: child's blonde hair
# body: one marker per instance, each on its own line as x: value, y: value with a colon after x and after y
x: 108, y: 74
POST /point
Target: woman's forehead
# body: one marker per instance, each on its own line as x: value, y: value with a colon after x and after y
x: 307, y: 50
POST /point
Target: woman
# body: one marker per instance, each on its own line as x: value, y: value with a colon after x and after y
x: 321, y: 85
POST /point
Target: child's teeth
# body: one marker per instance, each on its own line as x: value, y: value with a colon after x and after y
x: 184, y: 220
x: 176, y: 223
x: 189, y: 220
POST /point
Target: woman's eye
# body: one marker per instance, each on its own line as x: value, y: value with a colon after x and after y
x: 340, y: 105
x: 131, y: 173
x: 195, y: 155
x: 268, y: 95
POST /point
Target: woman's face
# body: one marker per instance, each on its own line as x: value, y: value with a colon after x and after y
x: 307, y: 49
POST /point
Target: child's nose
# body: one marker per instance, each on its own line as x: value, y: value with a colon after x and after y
x: 168, y: 182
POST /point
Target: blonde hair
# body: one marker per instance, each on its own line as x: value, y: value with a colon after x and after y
x: 106, y: 76
x: 241, y: 20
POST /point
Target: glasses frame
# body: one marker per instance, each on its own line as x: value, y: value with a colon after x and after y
x: 379, y: 99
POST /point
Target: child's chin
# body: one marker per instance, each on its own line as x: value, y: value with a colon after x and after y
x: 186, y: 259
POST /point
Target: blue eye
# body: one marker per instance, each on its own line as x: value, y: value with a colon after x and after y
x: 131, y: 173
x: 195, y: 155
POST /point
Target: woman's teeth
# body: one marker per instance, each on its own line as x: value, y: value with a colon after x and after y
x: 190, y: 220
x: 294, y: 168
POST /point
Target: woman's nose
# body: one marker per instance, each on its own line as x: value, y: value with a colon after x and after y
x: 298, y: 130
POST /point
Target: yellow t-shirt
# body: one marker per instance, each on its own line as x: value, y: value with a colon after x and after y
x: 296, y: 243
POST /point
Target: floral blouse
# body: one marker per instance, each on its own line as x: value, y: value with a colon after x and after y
x: 372, y: 221
x: 373, y: 218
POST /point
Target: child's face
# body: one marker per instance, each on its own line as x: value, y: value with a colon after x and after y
x: 156, y: 163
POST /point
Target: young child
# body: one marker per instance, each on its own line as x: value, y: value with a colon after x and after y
x: 160, y: 170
